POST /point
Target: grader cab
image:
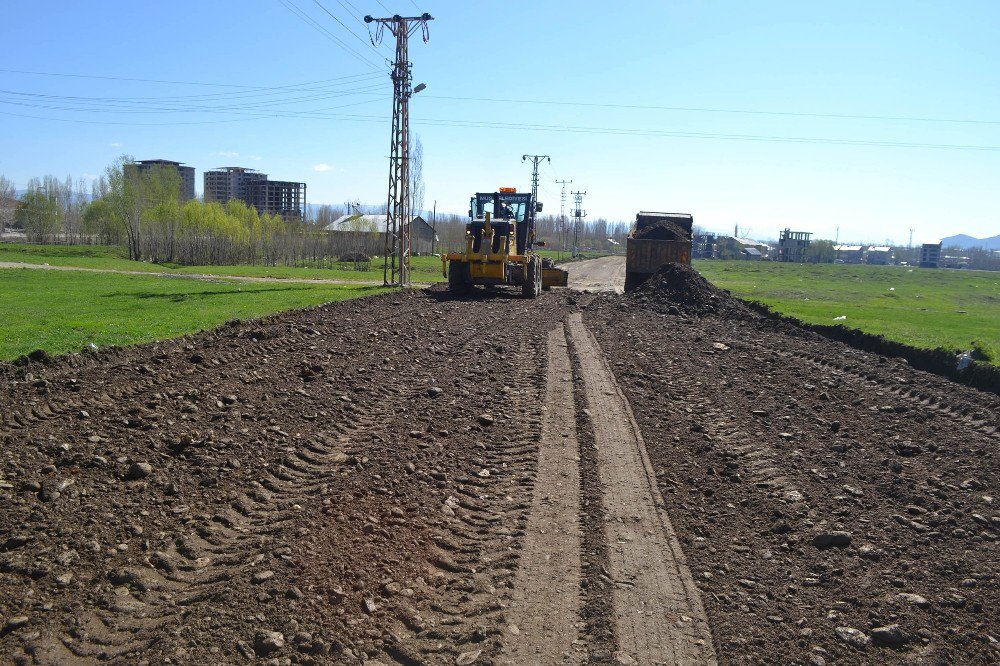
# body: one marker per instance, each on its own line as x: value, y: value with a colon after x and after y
x: 500, y: 240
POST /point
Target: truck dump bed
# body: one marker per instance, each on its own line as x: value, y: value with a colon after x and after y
x: 656, y: 239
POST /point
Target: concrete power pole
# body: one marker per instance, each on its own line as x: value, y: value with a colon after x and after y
x: 396, y: 270
x: 562, y: 216
x: 578, y: 215
x: 535, y: 160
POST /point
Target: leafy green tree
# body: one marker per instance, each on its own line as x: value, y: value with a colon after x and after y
x: 820, y: 252
x: 38, y: 215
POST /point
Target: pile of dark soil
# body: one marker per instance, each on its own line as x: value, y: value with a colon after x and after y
x: 678, y: 287
x: 835, y: 506
x: 663, y: 229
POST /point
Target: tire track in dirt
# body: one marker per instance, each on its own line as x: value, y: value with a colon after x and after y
x: 658, y: 612
x: 545, y: 609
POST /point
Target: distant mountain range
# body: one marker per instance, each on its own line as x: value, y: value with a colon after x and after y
x: 966, y: 242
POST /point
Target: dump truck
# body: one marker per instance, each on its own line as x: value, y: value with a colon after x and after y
x: 500, y: 242
x: 655, y: 240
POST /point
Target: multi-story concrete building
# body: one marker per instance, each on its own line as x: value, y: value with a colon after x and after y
x: 792, y: 245
x: 186, y: 173
x: 284, y: 198
x: 930, y: 255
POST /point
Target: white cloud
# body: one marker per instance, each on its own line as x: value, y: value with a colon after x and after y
x: 256, y: 158
x: 322, y: 166
x: 90, y: 176
x: 227, y: 153
x: 115, y: 144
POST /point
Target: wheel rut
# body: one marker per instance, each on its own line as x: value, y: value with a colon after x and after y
x: 655, y: 611
x: 545, y: 610
x: 658, y: 614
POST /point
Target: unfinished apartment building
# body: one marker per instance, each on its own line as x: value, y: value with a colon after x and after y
x: 284, y: 198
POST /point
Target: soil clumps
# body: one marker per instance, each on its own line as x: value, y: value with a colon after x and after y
x: 662, y: 229
x: 682, y: 288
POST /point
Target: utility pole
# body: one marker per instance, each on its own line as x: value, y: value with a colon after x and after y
x: 396, y: 270
x: 578, y: 215
x: 535, y: 159
x: 562, y: 216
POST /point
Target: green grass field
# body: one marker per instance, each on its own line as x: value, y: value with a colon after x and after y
x: 921, y: 307
x: 425, y: 269
x: 64, y: 311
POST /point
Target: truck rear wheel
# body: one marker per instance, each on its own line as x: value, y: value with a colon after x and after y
x: 459, y: 278
x: 531, y: 287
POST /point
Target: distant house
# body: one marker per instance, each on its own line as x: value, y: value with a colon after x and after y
x: 750, y: 254
x: 763, y: 250
x: 930, y: 254
x: 792, y: 245
x: 366, y: 234
x: 879, y: 255
x: 849, y: 254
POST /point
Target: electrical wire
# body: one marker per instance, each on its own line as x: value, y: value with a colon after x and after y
x: 576, y: 129
x: 344, y: 25
x: 127, y: 106
x: 800, y: 114
x: 184, y: 83
x: 292, y: 7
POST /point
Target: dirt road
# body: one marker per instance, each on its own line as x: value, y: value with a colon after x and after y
x: 602, y: 274
x: 186, y: 276
x: 413, y: 479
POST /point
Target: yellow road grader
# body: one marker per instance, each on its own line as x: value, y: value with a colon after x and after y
x: 499, y: 250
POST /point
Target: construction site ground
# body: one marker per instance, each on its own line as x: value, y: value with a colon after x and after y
x: 656, y: 478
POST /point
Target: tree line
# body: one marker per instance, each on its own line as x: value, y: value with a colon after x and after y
x: 142, y: 211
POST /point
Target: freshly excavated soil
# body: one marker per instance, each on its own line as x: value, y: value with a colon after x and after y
x: 679, y: 287
x: 353, y: 482
x: 330, y: 485
x: 834, y: 506
x: 663, y: 229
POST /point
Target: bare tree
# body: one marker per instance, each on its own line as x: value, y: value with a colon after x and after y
x: 8, y: 203
x: 417, y: 177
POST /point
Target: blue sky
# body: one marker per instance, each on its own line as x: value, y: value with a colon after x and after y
x: 748, y: 112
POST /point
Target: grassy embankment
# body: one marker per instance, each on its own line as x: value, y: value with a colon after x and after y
x: 64, y: 311
x: 920, y: 307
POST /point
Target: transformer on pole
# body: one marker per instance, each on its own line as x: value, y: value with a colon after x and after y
x: 578, y: 215
x: 562, y: 216
x: 396, y: 269
x: 535, y: 160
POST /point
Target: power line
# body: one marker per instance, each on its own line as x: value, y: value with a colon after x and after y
x: 290, y: 6
x: 609, y: 131
x: 334, y: 17
x: 168, y: 105
x: 124, y: 108
x: 694, y: 109
x: 183, y: 83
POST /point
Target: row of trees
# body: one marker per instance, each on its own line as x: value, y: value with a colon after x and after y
x: 142, y: 210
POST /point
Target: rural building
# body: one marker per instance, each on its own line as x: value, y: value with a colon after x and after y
x: 879, y: 255
x: 272, y: 197
x: 760, y: 250
x: 365, y: 234
x: 930, y: 255
x: 849, y: 254
x: 186, y: 173
x: 792, y: 245
x: 704, y: 246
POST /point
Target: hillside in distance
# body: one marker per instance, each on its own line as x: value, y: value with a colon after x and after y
x: 966, y: 242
